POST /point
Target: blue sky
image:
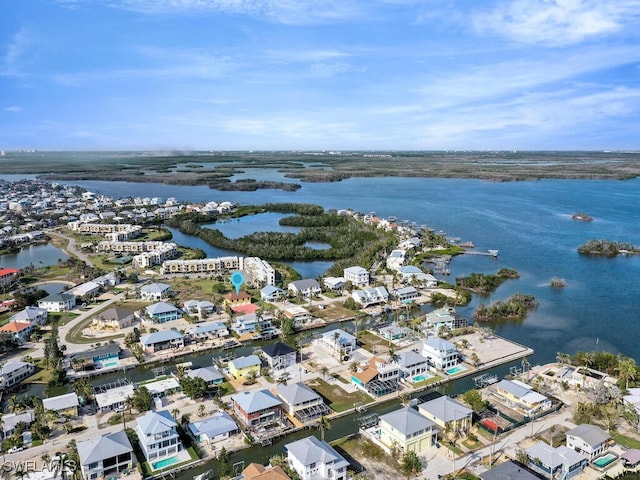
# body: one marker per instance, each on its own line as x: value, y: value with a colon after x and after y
x: 320, y: 74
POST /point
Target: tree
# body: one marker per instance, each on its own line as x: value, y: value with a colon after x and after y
x: 411, y: 464
x: 224, y: 467
x: 324, y: 370
x: 627, y: 370
x: 474, y: 399
x: 176, y: 413
x: 83, y: 389
x: 336, y: 339
x: 323, y: 425
x: 193, y: 387
x: 142, y: 399
x: 202, y: 410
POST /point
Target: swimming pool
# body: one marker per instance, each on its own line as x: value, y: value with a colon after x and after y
x: 456, y: 369
x: 421, y: 377
x: 165, y: 463
x: 113, y: 363
x: 605, y: 460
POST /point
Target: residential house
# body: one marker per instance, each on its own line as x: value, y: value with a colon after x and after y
x: 8, y: 276
x: 106, y: 456
x: 212, y: 375
x: 256, y: 471
x: 406, y: 294
x: 32, y: 315
x: 447, y: 413
x: 107, y: 280
x: 280, y: 355
x: 370, y: 296
x: 521, y: 397
x: 58, y: 302
x: 394, y: 332
x: 155, y: 292
x: 376, y: 377
x: 163, y: 340
x: 241, y: 367
x: 252, y: 323
x: 441, y: 354
x: 411, y: 273
x: 209, y: 331
x: 202, y: 308
x: 103, y: 356
x: 271, y: 293
x: 588, y: 440
x: 114, y: 399
x: 255, y: 408
x: 114, y: 318
x: 158, y: 436
x: 337, y: 340
x: 314, y: 459
x: 301, y: 401
x: 396, y: 259
x: 335, y: 284
x: 412, y: 365
x: 234, y: 299
x: 358, y: 276
x: 306, y: 288
x: 20, y: 331
x: 298, y: 314
x: 161, y: 387
x: 508, y: 471
x: 9, y: 422
x: 445, y: 317
x: 65, y: 405
x: 412, y: 242
x: 216, y: 428
x: 14, y: 372
x: 407, y: 430
x: 86, y: 289
x: 561, y: 462
x: 163, y: 312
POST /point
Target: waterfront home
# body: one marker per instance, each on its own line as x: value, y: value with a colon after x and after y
x: 18, y: 330
x: 376, y: 377
x: 161, y: 387
x: 405, y: 429
x: 199, y: 307
x: 411, y: 273
x: 258, y: 272
x: 271, y: 293
x: 358, y: 276
x: 58, y: 302
x: 163, y: 312
x: 561, y: 462
x: 279, y: 355
x: 447, y: 413
x: 441, y: 354
x: 445, y: 317
x: 86, y: 289
x: 508, y: 471
x: 256, y: 471
x: 163, y: 340
x: 256, y: 407
x: 395, y: 260
x: 158, y: 436
x: 234, y: 299
x: 209, y: 331
x: 394, y: 332
x: 412, y: 365
x: 410, y: 243
x: 521, y: 397
x: 313, y: 459
x: 107, y: 280
x: 106, y: 355
x: 298, y: 314
x: 155, y: 292
x: 242, y: 367
x: 65, y: 405
x: 114, y: 399
x: 106, y: 456
x: 631, y: 459
x: 306, y: 288
x: 9, y: 422
x: 633, y: 398
x: 8, y: 276
x: 406, y: 294
x: 252, y: 323
x: 212, y: 375
x: 301, y: 401
x: 14, y: 372
x: 114, y: 318
x: 588, y: 440
x: 213, y: 429
x: 370, y: 296
x: 335, y: 284
x: 31, y: 315
x: 339, y: 341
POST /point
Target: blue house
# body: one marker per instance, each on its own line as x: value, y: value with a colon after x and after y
x: 163, y: 312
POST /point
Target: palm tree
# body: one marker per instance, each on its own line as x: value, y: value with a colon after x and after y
x: 184, y: 420
x: 202, y: 410
x: 180, y: 372
x: 627, y: 370
x: 336, y: 338
x: 392, y: 354
x: 324, y: 370
x: 175, y: 412
x: 323, y: 424
x: 14, y: 404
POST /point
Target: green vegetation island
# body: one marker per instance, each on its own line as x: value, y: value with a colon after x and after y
x: 513, y: 308
x: 607, y: 248
x: 481, y: 283
x: 217, y: 169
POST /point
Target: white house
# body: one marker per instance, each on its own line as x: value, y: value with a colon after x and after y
x: 155, y: 291
x: 280, y: 355
x: 216, y: 428
x: 162, y: 340
x: 588, y: 440
x: 339, y: 340
x: 306, y: 288
x: 58, y: 302
x: 412, y: 364
x: 12, y: 373
x: 334, y: 283
x: 395, y: 260
x: 409, y: 273
x: 552, y: 463
x: 314, y: 459
x: 106, y: 456
x: 440, y: 353
x: 370, y: 296
x: 301, y: 401
x: 158, y: 436
x: 31, y: 315
x: 358, y: 276
x: 271, y: 293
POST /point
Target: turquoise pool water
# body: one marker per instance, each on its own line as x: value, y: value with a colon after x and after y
x: 164, y: 463
x: 604, y: 460
x: 113, y: 363
x: 421, y: 377
x: 456, y: 369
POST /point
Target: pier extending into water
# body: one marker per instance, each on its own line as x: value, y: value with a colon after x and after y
x: 488, y: 253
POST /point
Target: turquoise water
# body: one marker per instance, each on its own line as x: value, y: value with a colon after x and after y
x: 604, y: 460
x: 110, y: 364
x: 456, y: 369
x: 419, y: 378
x: 165, y: 463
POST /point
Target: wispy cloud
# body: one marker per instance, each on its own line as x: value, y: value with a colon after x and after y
x: 557, y: 22
x: 12, y: 109
x: 15, y: 52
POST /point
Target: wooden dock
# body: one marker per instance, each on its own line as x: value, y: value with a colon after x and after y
x: 489, y: 253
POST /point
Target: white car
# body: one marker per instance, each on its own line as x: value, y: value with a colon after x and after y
x: 15, y: 449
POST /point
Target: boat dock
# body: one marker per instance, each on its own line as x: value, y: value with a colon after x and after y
x: 489, y: 253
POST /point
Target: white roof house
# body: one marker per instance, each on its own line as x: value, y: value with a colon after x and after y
x: 358, y: 276
x: 114, y: 398
x: 68, y: 401
x: 155, y: 291
x: 407, y: 429
x: 105, y: 456
x: 560, y: 462
x: 370, y: 296
x: 589, y: 440
x: 215, y: 428
x: 315, y: 459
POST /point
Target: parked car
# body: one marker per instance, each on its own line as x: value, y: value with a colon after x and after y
x: 15, y: 449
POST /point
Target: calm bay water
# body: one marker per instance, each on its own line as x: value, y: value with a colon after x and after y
x: 36, y: 255
x: 528, y: 222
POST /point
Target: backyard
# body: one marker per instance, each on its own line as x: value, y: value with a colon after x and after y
x: 337, y: 398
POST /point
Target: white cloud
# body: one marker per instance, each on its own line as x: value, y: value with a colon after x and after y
x: 557, y: 22
x: 14, y: 57
x: 12, y: 109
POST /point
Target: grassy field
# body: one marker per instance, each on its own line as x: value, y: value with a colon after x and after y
x: 625, y: 441
x: 338, y: 399
x: 333, y: 313
x: 372, y: 342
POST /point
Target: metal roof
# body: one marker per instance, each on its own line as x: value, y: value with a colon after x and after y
x: 104, y: 447
x: 255, y: 401
x: 407, y: 421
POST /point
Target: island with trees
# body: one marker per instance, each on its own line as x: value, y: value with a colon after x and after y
x: 607, y: 248
x: 515, y: 307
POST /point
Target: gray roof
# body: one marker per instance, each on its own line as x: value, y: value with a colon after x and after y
x: 270, y: 290
x: 208, y: 327
x: 407, y: 421
x: 104, y: 447
x: 244, y: 362
x: 508, y: 471
x: 590, y: 434
x: 311, y: 450
x: 406, y: 290
x: 446, y: 409
x: 217, y: 424
x: 254, y: 401
x: 306, y: 283
x: 554, y: 457
x: 208, y: 374
x: 107, y: 348
x: 513, y: 388
x: 161, y: 307
x: 410, y: 358
x: 631, y: 456
x: 29, y: 313
x: 409, y: 269
x: 12, y: 367
x: 277, y: 349
x: 155, y: 288
x: 439, y: 344
x: 161, y: 336
x: 296, y: 393
x: 61, y: 402
x: 114, y: 314
x: 156, y: 422
x: 10, y: 420
x: 58, y: 297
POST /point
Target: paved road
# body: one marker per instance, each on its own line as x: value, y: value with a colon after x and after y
x: 71, y: 247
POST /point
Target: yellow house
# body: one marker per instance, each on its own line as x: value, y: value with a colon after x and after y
x: 445, y: 412
x: 240, y: 367
x: 407, y: 430
x: 521, y: 397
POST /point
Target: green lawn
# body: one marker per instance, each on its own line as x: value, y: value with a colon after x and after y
x: 371, y: 341
x: 626, y: 441
x: 339, y: 400
x: 426, y: 382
